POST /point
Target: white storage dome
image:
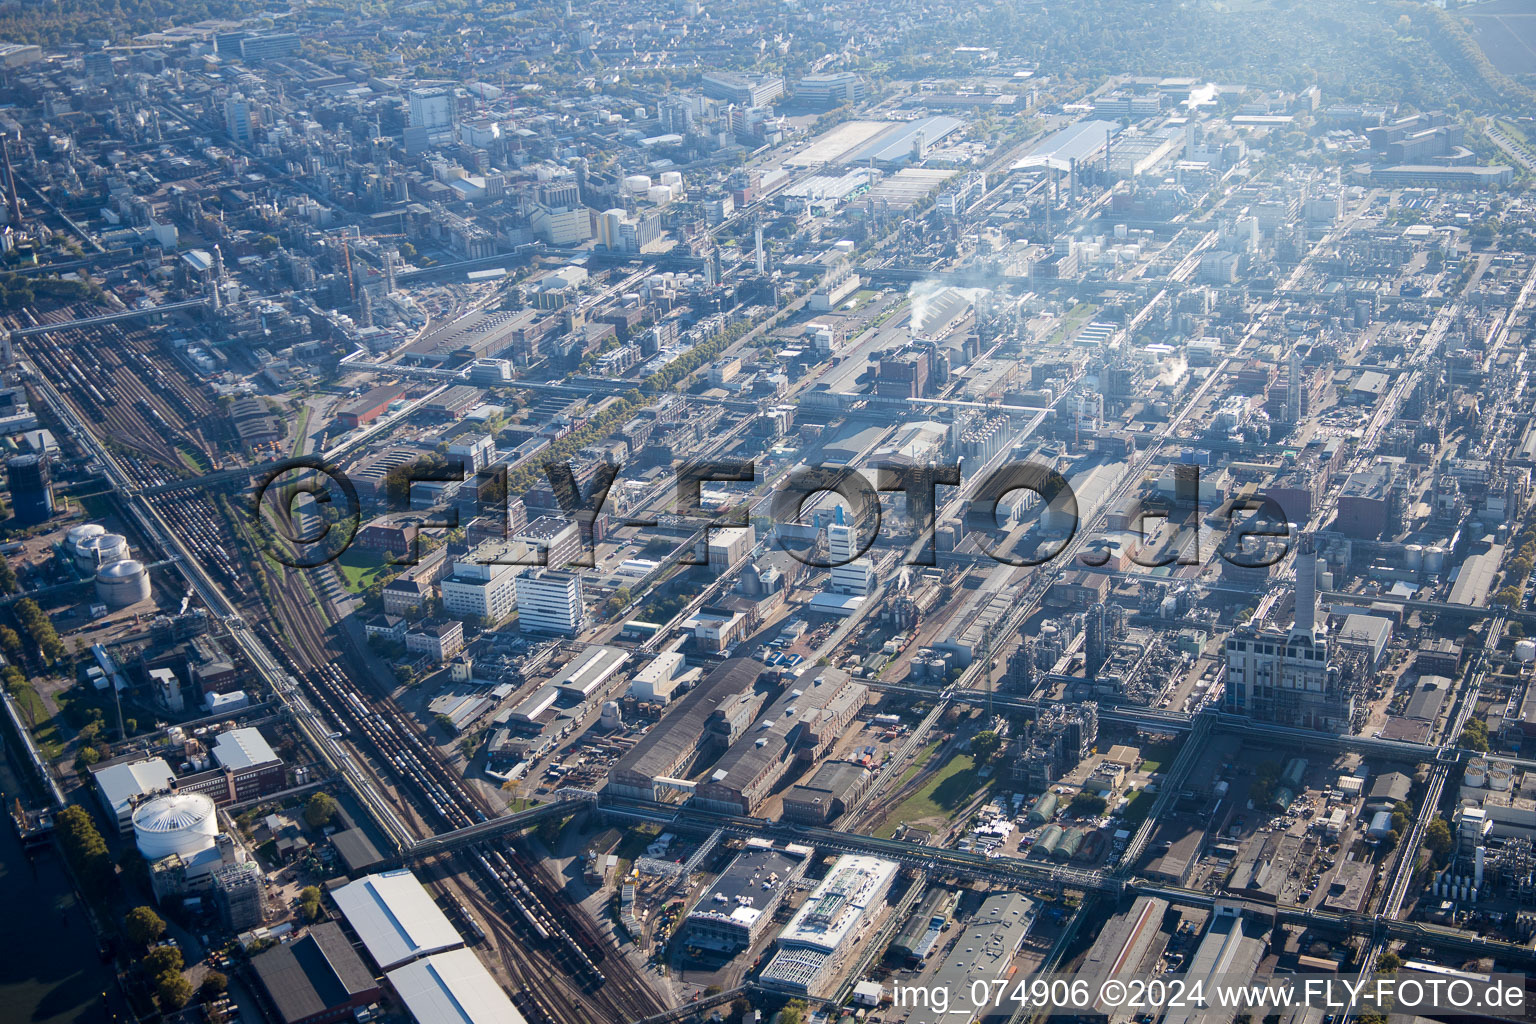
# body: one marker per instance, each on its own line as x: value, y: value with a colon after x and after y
x: 181, y: 823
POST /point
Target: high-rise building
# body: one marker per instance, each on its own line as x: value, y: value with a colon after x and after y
x: 238, y: 119
x: 1290, y: 676
x: 1095, y: 639
x: 549, y: 602
x: 857, y: 575
x: 431, y: 108
x: 31, y: 488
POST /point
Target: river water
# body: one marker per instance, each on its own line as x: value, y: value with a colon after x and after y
x: 50, y: 972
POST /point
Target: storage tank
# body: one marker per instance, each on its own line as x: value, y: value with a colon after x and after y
x: 78, y: 535
x: 670, y: 178
x: 1476, y: 773
x: 636, y: 184
x: 122, y: 583
x: 659, y: 194
x: 181, y: 823
x: 1413, y: 555
x: 1499, y: 779
x: 1044, y: 809
x: 1525, y: 651
x: 1434, y: 559
x: 102, y: 549
x: 610, y: 718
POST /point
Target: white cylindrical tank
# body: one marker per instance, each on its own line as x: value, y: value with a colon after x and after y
x: 1434, y: 559
x: 1413, y: 555
x: 1499, y: 780
x: 1525, y: 651
x: 123, y: 583
x: 670, y: 178
x: 1476, y: 773
x: 78, y: 535
x: 635, y: 184
x: 611, y: 718
x: 102, y: 549
x: 659, y: 194
x: 182, y: 823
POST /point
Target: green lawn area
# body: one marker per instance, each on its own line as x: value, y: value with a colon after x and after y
x: 950, y: 788
x: 359, y: 569
x: 1155, y: 755
x: 192, y: 458
x: 45, y: 731
x: 918, y: 762
x: 1136, y: 809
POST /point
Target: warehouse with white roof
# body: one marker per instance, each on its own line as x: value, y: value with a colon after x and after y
x: 396, y: 918
x: 453, y: 988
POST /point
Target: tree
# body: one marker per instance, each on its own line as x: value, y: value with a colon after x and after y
x: 160, y: 960
x: 1475, y: 735
x: 985, y: 745
x: 309, y: 902
x: 173, y: 990
x: 793, y: 1012
x: 7, y: 577
x: 142, y: 926
x: 213, y: 985
x: 85, y: 850
x: 1088, y: 803
x: 1438, y: 837
x: 320, y: 810
x: 1388, y: 962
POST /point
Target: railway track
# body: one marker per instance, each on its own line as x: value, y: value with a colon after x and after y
x: 559, y: 956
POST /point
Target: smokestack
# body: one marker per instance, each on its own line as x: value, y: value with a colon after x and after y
x: 1306, y: 586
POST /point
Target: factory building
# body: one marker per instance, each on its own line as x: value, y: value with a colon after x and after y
x: 825, y: 932
x: 316, y: 979
x: 396, y: 918
x: 1121, y: 952
x: 706, y: 721
x: 795, y: 730
x: 453, y: 988
x: 983, y: 952
x: 827, y: 794
x: 734, y: 912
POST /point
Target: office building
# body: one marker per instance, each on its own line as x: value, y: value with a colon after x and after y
x: 238, y: 120
x: 550, y: 601
x: 477, y: 589
x: 432, y: 109
x: 832, y: 89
